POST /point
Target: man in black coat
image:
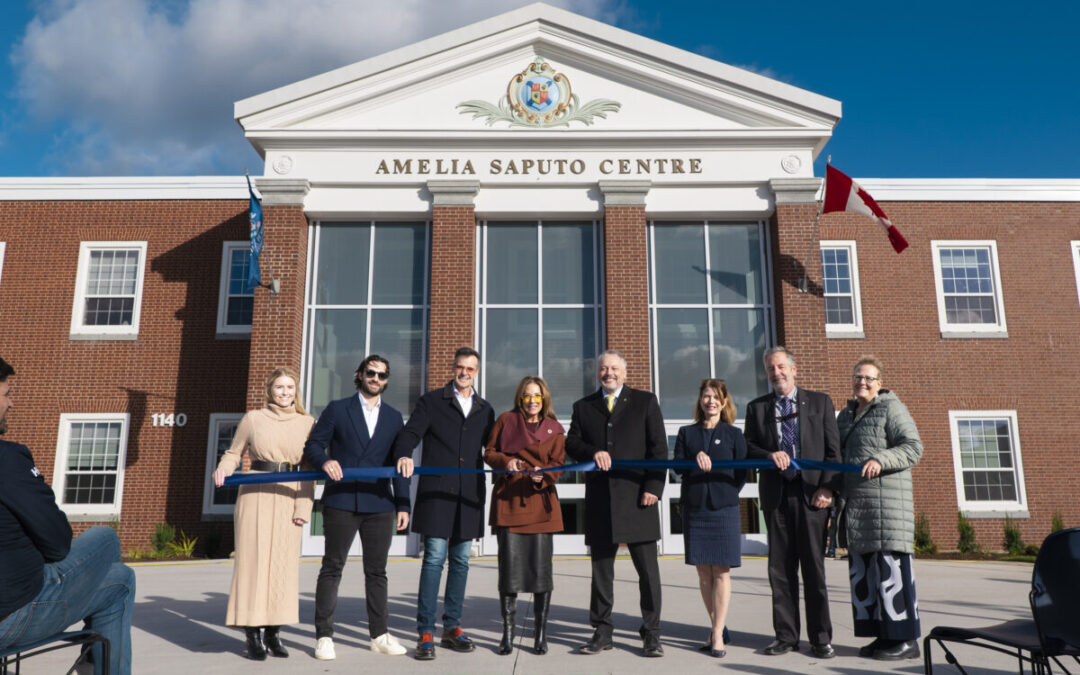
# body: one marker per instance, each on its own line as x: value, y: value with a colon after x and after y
x: 454, y: 423
x: 794, y: 422
x: 48, y: 581
x: 621, y: 506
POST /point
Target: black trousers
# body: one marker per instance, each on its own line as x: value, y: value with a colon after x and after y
x: 643, y: 554
x: 376, y: 532
x: 797, y: 541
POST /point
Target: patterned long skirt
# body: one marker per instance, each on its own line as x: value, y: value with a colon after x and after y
x: 883, y: 596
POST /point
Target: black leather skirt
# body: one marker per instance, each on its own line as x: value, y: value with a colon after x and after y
x: 524, y: 562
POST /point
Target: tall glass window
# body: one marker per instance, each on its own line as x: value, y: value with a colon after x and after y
x: 539, y: 309
x: 710, y: 311
x: 367, y: 293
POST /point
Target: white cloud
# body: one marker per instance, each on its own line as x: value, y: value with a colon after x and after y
x: 147, y: 87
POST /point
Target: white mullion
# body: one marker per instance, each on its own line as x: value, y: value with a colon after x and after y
x: 598, y: 339
x: 655, y: 346
x: 767, y: 285
x: 483, y: 303
x: 370, y: 289
x: 540, y: 297
x: 425, y: 314
x: 708, y: 301
x: 309, y: 312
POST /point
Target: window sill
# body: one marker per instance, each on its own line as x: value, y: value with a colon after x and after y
x: 232, y: 336
x: 1018, y: 514
x: 217, y: 517
x: 103, y: 518
x: 103, y: 336
x: 974, y: 334
x: 844, y: 334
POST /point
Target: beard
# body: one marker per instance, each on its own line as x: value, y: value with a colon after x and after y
x: 372, y: 389
x: 3, y: 425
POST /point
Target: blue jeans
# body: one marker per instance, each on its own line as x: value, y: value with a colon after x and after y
x: 91, y: 585
x: 435, y: 551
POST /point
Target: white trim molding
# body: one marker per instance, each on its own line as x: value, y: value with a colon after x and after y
x: 1073, y: 245
x: 855, y: 328
x: 60, y: 469
x: 124, y: 331
x: 213, y: 436
x: 998, y: 328
x: 224, y: 328
x: 1015, y: 508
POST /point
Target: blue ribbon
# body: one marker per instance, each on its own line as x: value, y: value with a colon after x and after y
x: 369, y: 473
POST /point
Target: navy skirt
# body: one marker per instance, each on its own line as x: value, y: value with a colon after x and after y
x: 713, y: 536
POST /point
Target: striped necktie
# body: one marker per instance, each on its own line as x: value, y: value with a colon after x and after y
x: 789, y: 427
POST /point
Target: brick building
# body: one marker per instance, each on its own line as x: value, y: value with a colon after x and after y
x: 541, y: 186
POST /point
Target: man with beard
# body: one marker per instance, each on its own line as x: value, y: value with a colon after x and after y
x: 48, y: 581
x: 358, y: 432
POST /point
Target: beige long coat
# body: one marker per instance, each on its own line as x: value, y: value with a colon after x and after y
x: 265, y: 585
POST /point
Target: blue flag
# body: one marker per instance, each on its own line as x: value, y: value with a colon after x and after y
x: 255, y: 216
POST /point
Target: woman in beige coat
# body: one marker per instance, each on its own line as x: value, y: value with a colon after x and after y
x: 269, y: 517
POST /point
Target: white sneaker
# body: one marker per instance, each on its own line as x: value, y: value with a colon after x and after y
x: 387, y: 644
x: 324, y: 649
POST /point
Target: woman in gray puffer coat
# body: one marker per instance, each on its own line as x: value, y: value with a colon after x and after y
x: 877, y: 432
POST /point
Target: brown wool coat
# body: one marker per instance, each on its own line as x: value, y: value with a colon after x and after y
x: 266, y: 574
x: 517, y: 502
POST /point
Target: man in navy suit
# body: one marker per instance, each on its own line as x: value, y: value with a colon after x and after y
x: 793, y: 422
x: 359, y: 432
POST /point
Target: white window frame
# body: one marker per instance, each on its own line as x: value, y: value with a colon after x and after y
x: 216, y: 420
x: 79, y: 331
x: 3, y: 248
x: 854, y: 329
x: 1016, y: 508
x: 63, y: 438
x: 967, y: 330
x: 223, y: 328
x: 1074, y: 245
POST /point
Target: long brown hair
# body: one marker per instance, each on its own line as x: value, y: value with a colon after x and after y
x: 290, y: 373
x: 547, y: 409
x: 727, y: 413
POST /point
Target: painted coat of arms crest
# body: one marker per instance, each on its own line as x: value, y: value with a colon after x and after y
x: 539, y: 97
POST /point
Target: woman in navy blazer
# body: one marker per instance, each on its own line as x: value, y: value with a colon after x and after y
x: 710, y: 501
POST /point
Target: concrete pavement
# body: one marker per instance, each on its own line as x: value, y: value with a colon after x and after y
x: 180, y: 608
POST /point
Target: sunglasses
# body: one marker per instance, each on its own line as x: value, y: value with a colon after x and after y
x: 381, y: 374
x: 525, y: 398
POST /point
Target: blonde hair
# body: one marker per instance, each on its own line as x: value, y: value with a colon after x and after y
x: 727, y: 413
x: 547, y: 408
x: 291, y: 374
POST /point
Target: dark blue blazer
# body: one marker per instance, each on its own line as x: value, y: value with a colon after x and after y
x: 721, y: 486
x: 341, y: 429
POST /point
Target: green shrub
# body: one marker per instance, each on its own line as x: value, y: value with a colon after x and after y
x: 164, y: 534
x: 966, y: 543
x: 923, y: 542
x: 1057, y: 522
x: 1031, y: 550
x: 183, y: 548
x: 1014, y: 543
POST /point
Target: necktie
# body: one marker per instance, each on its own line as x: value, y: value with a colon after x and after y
x: 610, y: 398
x: 788, y: 429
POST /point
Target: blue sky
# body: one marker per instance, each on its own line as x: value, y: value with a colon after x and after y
x: 950, y: 89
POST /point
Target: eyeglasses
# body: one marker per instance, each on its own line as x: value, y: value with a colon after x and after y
x: 865, y: 378
x: 525, y: 398
x: 468, y: 369
x: 381, y: 374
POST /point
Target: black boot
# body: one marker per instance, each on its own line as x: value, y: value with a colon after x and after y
x: 508, y: 608
x: 541, y: 605
x: 255, y: 649
x: 273, y: 644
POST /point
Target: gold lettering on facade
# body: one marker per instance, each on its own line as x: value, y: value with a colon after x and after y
x: 605, y: 166
x: 453, y: 166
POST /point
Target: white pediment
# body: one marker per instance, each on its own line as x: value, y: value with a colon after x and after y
x: 414, y: 93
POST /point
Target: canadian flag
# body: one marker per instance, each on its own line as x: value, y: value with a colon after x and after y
x: 844, y: 194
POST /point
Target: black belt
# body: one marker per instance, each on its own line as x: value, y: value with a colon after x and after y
x: 259, y: 465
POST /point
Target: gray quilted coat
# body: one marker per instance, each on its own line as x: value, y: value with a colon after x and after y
x: 879, y: 513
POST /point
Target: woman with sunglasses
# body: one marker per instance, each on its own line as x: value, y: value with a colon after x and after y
x: 878, y: 433
x: 525, y: 506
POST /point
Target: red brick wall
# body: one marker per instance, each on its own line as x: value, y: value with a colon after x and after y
x: 277, y: 326
x: 453, y: 289
x: 176, y: 364
x: 1028, y: 372
x: 626, y: 288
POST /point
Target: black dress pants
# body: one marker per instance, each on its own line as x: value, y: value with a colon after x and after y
x: 376, y: 532
x: 643, y: 554
x: 797, y: 541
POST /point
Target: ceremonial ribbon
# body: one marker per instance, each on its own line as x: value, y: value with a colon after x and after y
x: 369, y: 473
